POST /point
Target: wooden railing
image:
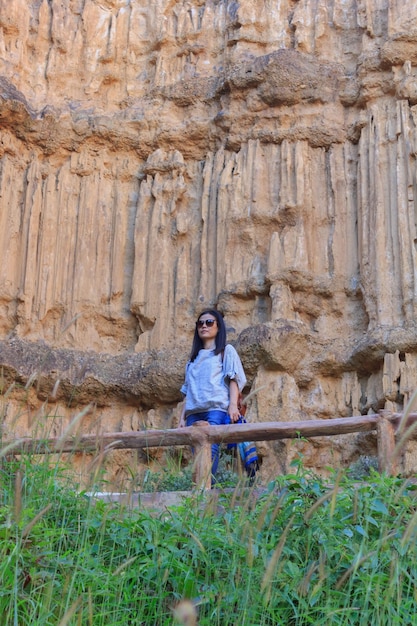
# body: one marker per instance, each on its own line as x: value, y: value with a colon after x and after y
x: 393, y: 430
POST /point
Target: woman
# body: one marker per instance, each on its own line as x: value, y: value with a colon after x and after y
x: 214, y: 377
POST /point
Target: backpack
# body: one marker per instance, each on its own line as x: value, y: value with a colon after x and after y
x: 247, y: 449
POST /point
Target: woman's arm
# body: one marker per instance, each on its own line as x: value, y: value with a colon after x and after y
x: 233, y: 399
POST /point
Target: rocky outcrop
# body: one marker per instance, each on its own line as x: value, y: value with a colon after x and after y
x: 157, y: 157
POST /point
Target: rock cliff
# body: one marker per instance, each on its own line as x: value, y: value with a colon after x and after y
x: 158, y: 156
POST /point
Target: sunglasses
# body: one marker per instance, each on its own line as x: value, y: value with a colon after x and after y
x: 208, y: 323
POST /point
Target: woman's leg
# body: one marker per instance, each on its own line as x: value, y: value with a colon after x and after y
x: 214, y: 418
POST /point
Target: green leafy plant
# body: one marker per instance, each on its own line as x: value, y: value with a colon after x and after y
x: 306, y: 551
x: 363, y: 466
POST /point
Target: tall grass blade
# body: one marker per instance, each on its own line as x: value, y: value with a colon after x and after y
x: 326, y: 496
x: 71, y: 611
x: 72, y: 426
x: 410, y: 529
x: 124, y: 565
x: 35, y: 520
x: 406, y: 413
x: 352, y: 569
x: 18, y: 496
x: 11, y: 446
x: 72, y: 321
x: 269, y: 572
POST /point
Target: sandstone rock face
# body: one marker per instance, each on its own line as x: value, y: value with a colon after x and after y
x: 158, y: 156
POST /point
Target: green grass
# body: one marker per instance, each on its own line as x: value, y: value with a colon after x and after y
x: 172, y: 476
x: 308, y: 551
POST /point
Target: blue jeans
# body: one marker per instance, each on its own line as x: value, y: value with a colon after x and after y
x: 214, y: 418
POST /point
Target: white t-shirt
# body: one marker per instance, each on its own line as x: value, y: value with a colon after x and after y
x: 207, y: 378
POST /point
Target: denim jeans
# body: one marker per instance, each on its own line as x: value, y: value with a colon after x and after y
x: 214, y: 418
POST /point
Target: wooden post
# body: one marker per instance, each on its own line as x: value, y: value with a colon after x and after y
x: 386, y: 443
x: 202, y: 460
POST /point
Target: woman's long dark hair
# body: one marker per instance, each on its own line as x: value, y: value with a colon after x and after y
x: 220, y: 337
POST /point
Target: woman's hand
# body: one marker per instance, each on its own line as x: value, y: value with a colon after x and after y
x: 233, y: 412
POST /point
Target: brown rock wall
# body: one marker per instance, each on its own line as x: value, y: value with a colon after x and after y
x: 159, y: 156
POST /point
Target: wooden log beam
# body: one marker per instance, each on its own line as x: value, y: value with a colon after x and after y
x: 202, y: 460
x: 233, y: 433
x: 386, y: 444
x: 268, y: 431
x: 396, y: 418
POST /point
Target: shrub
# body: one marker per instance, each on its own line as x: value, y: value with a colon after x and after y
x: 306, y: 551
